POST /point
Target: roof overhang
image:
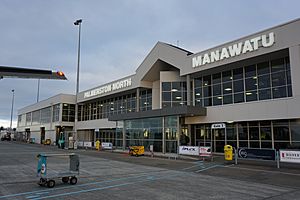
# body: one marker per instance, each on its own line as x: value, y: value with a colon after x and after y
x: 183, y: 111
x: 17, y: 72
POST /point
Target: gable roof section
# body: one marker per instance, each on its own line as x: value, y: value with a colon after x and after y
x: 167, y: 53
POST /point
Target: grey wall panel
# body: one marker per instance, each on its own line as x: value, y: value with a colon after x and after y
x: 156, y: 95
x: 60, y: 98
x: 260, y: 110
x: 94, y: 124
x: 295, y: 69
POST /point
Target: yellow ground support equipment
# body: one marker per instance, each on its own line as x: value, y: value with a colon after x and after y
x: 136, y: 150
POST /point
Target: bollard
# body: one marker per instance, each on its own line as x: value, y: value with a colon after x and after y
x: 235, y: 156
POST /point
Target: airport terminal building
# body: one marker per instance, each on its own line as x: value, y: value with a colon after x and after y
x: 245, y: 93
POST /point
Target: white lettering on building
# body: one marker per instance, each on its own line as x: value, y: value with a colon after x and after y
x: 108, y: 88
x: 253, y: 44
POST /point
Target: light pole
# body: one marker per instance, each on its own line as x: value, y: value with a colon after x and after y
x: 77, y: 23
x: 12, y: 108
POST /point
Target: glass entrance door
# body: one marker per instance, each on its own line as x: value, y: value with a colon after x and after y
x: 218, y: 140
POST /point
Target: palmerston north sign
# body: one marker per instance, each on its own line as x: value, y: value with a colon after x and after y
x: 108, y: 88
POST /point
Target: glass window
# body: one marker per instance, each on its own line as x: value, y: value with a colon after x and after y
x: 264, y: 81
x: 288, y: 77
x: 277, y: 65
x: 198, y: 82
x: 263, y: 68
x: 166, y: 86
x: 251, y: 96
x: 207, y: 102
x: 264, y: 94
x: 227, y: 88
x: 250, y: 71
x: 243, y: 131
x: 253, y: 133
x: 226, y: 76
x: 289, y: 90
x: 279, y: 92
x: 207, y: 91
x: 238, y: 86
x: 265, y: 133
x: 278, y: 79
x: 175, y: 86
x: 250, y: 84
x: 217, y: 101
x: 238, y: 73
x: 206, y: 80
x: 227, y: 99
x: 239, y: 98
x: 198, y: 92
x: 295, y: 130
x: 198, y: 102
x: 216, y: 89
x: 216, y: 78
x: 176, y: 96
x: 166, y: 96
x: 281, y: 130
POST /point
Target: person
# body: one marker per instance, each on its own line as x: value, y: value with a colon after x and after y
x: 183, y: 139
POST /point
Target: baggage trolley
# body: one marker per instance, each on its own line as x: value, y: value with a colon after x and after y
x: 48, y: 177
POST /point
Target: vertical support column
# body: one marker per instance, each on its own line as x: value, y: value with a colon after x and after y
x: 124, y: 136
x: 163, y: 136
x: 178, y: 133
x: 272, y: 133
x: 137, y: 100
x: 188, y: 89
x: 190, y: 134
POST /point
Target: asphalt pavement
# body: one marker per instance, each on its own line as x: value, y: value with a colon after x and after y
x: 111, y: 175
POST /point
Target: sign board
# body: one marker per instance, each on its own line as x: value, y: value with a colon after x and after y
x: 218, y: 126
x: 261, y: 154
x: 151, y: 147
x: 189, y: 150
x: 106, y: 145
x: 80, y: 143
x: 204, y: 151
x: 289, y: 156
x: 108, y: 88
x: 87, y: 144
x: 243, y: 47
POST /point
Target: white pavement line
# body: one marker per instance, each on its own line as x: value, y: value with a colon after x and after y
x: 190, y: 167
x: 261, y: 170
x: 213, y: 166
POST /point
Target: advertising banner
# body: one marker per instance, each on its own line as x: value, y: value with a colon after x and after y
x: 289, y: 156
x: 204, y: 151
x: 87, y: 144
x: 189, y: 150
x: 261, y: 154
x: 106, y: 145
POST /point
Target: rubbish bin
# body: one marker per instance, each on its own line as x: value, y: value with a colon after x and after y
x: 228, y: 151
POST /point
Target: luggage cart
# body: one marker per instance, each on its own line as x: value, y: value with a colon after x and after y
x: 48, y: 177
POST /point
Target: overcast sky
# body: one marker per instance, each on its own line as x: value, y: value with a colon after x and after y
x: 116, y: 36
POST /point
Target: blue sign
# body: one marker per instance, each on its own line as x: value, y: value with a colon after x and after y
x: 261, y: 154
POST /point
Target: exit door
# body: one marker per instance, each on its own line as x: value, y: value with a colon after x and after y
x: 218, y: 137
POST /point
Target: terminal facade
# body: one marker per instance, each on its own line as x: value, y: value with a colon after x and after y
x: 245, y: 93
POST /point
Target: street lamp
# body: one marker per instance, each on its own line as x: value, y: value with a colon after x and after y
x: 77, y: 23
x: 12, y: 108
